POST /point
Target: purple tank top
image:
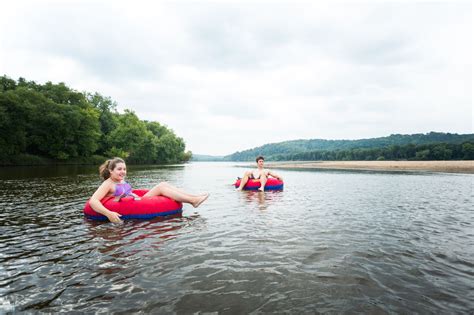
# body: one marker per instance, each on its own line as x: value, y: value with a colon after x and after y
x: 122, y: 189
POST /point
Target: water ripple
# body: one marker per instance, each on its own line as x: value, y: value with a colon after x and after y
x: 331, y: 242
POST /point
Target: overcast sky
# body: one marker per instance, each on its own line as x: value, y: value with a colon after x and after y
x: 236, y: 75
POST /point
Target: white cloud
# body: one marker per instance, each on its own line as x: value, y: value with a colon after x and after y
x: 231, y: 76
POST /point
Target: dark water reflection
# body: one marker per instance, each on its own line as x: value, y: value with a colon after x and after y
x: 342, y: 242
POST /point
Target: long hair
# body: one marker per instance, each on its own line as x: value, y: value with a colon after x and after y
x: 109, y: 165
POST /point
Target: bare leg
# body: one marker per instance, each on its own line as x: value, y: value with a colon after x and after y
x: 263, y: 181
x: 167, y: 190
x: 176, y: 188
x: 244, y: 180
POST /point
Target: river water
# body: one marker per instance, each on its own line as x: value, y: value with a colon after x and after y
x: 331, y: 241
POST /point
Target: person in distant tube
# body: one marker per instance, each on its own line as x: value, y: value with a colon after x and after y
x: 259, y: 174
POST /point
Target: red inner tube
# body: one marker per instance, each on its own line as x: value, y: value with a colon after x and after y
x: 146, y: 208
x: 254, y: 184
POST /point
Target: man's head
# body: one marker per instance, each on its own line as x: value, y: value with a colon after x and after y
x: 259, y: 160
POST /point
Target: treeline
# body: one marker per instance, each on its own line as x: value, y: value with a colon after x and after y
x: 54, y: 122
x: 206, y: 158
x: 430, y: 146
x: 438, y: 151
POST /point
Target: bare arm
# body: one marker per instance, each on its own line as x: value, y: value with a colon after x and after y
x: 95, y: 203
x: 275, y: 175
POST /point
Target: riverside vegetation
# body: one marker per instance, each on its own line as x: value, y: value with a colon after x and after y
x: 52, y: 123
x: 416, y: 147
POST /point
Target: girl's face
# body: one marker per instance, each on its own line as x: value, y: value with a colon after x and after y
x: 119, y: 172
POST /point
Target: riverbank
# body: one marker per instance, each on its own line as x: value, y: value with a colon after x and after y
x: 431, y: 166
x: 35, y: 160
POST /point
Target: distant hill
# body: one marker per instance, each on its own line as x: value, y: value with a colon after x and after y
x: 320, y: 149
x: 203, y: 158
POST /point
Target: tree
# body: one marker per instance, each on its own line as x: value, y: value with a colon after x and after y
x: 108, y: 118
x: 156, y: 128
x: 55, y: 121
x: 422, y: 155
x: 7, y: 84
x: 13, y: 125
x: 128, y: 135
x: 61, y: 94
x: 440, y: 152
x: 170, y: 148
x: 468, y: 151
x: 87, y: 131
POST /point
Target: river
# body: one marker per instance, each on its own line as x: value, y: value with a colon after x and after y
x: 331, y: 241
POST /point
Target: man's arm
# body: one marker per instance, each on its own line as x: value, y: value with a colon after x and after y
x: 273, y: 174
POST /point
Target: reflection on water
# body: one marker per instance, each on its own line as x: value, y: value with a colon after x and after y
x: 136, y: 231
x: 262, y: 199
x: 337, y: 242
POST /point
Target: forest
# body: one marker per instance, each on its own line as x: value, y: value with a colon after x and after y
x: 54, y: 124
x: 430, y: 146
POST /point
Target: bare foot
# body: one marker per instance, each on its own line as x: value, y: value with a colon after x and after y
x: 201, y: 200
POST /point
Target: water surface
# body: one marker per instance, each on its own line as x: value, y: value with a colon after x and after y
x: 332, y: 241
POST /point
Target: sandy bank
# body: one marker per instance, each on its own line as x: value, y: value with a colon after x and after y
x: 432, y: 166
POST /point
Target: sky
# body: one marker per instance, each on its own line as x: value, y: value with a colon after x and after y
x: 233, y: 75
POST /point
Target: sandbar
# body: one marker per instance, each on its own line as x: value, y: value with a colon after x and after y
x: 431, y: 166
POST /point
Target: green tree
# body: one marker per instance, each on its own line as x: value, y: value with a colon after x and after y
x: 441, y: 152
x: 13, y: 125
x: 156, y: 128
x: 108, y: 119
x: 468, y: 151
x: 58, y: 131
x: 128, y: 135
x: 55, y: 121
x: 170, y: 148
x: 422, y: 155
x: 7, y: 84
x: 146, y: 152
x: 48, y: 129
x: 87, y: 131
x: 61, y: 94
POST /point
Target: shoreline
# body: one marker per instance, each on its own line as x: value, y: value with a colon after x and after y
x: 465, y: 167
